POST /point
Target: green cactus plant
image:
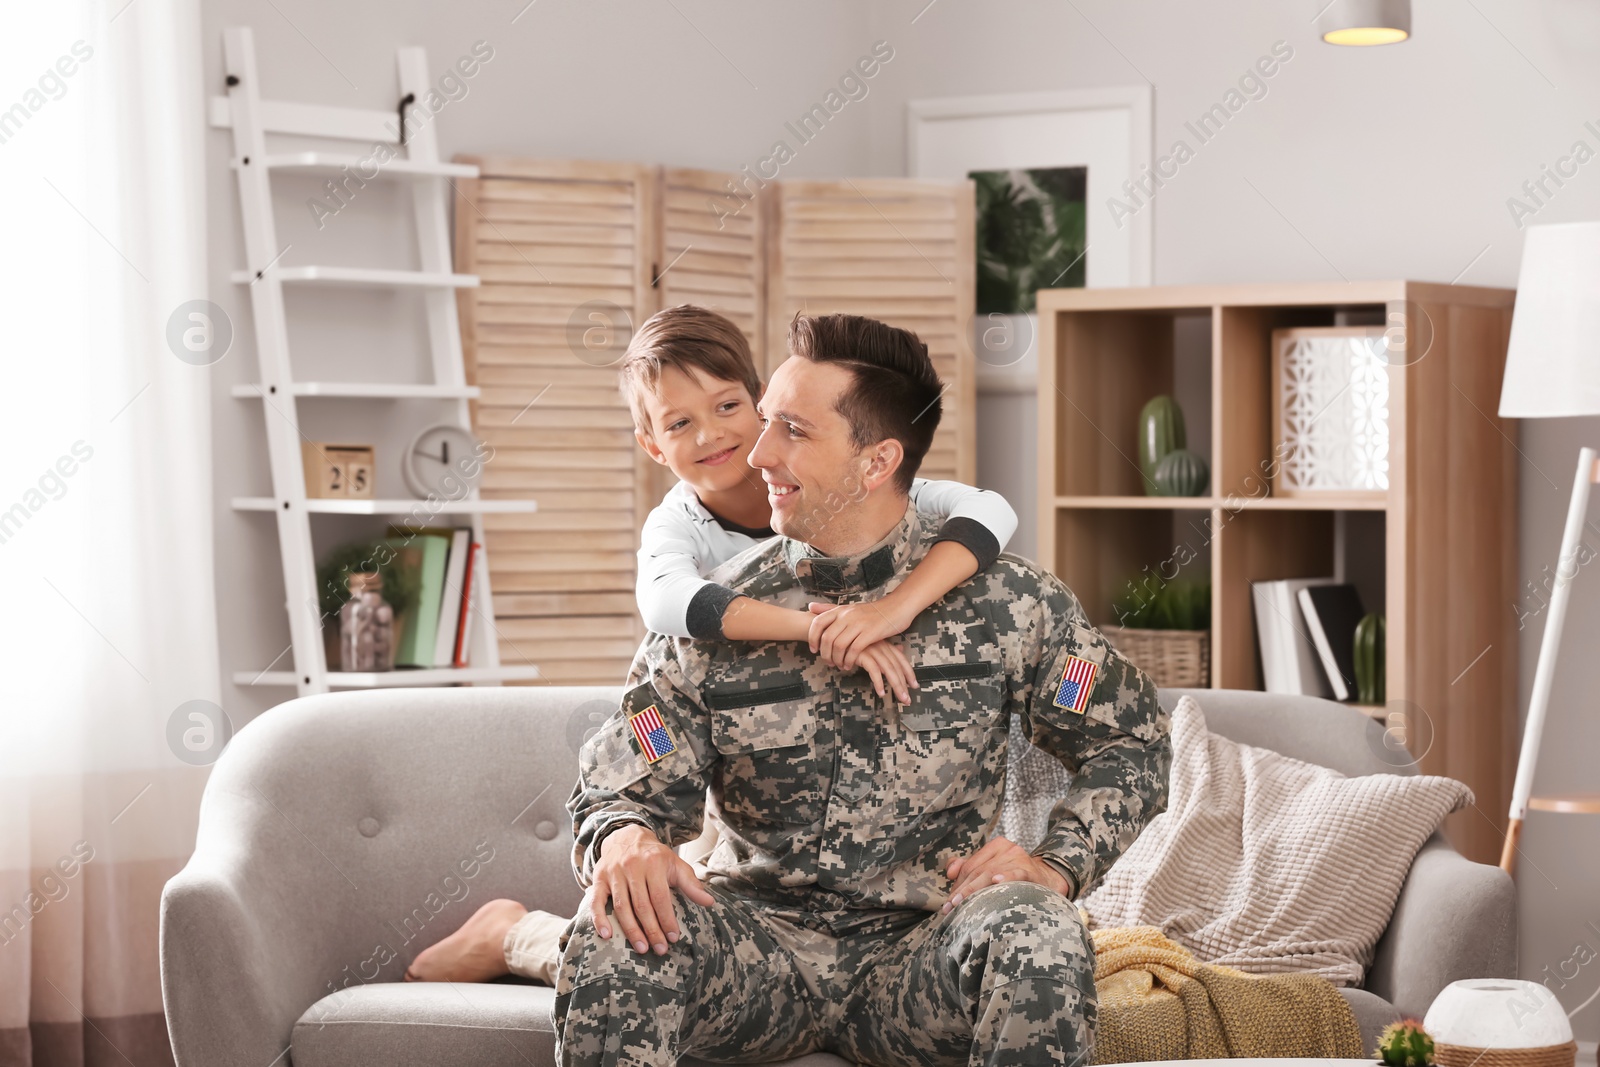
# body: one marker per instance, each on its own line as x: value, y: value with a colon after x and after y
x: 1405, y: 1044
x: 1160, y: 431
x: 1181, y: 473
x: 1369, y: 660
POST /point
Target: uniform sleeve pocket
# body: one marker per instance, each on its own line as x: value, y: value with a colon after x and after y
x: 615, y: 761
x: 1093, y: 679
x: 613, y: 764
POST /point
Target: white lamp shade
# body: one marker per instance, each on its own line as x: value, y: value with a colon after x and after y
x: 1553, y: 364
x: 1365, y: 22
x: 1501, y: 1013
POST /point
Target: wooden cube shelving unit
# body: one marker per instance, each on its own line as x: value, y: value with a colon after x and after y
x: 1442, y: 540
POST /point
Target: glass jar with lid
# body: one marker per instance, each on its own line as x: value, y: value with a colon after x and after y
x: 366, y: 626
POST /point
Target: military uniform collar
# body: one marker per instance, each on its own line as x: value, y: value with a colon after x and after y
x: 867, y: 569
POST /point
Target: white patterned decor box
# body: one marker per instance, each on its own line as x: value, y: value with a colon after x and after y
x: 1330, y: 411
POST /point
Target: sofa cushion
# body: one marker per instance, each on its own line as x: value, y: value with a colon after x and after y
x: 425, y: 1024
x: 1269, y: 864
x: 1373, y: 1013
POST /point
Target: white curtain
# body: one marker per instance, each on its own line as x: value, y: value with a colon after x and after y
x: 107, y: 616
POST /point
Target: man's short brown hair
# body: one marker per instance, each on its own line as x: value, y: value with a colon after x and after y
x: 689, y: 338
x: 896, y: 390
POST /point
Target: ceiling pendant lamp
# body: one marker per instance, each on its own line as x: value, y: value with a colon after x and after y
x: 1365, y: 22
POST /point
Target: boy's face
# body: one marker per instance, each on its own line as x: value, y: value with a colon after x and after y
x: 701, y: 428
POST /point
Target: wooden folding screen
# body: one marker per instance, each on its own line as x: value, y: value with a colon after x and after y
x: 557, y: 248
x: 893, y: 249
x: 567, y: 250
x: 712, y: 250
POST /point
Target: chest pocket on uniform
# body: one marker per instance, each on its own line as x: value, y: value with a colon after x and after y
x: 945, y: 754
x: 767, y: 738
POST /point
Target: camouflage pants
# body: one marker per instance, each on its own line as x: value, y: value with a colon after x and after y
x: 1006, y: 978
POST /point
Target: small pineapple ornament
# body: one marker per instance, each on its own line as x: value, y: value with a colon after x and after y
x: 1405, y: 1044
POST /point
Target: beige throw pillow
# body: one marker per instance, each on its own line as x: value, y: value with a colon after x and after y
x: 1270, y: 864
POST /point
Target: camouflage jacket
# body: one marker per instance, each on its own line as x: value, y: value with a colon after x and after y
x: 829, y: 798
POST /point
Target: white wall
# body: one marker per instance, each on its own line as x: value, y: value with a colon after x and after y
x: 1383, y: 163
x: 710, y: 87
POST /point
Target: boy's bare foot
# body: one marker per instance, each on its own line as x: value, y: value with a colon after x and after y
x: 474, y: 953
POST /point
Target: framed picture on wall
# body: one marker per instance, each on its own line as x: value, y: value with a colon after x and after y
x: 1030, y: 235
x: 1104, y: 132
x: 1048, y: 171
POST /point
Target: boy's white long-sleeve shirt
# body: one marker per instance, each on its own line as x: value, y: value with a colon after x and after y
x: 682, y: 541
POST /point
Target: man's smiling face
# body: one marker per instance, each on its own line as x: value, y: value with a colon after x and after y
x: 813, y: 470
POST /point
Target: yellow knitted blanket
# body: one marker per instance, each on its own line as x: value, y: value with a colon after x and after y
x: 1157, y: 1002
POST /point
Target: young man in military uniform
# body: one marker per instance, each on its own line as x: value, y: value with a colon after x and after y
x: 856, y: 901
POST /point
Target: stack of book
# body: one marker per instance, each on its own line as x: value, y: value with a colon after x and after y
x: 1306, y: 628
x: 433, y: 632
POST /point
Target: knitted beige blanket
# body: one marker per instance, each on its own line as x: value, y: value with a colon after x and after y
x: 1157, y: 1002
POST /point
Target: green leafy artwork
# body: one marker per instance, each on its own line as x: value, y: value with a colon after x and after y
x: 1030, y: 235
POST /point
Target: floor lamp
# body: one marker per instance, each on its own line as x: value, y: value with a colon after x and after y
x: 1552, y: 370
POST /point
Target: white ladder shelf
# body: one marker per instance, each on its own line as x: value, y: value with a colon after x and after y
x: 416, y: 162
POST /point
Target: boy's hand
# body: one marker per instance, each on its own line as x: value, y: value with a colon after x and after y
x: 840, y: 631
x: 889, y: 669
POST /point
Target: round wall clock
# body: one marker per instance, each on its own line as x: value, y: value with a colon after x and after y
x: 443, y: 461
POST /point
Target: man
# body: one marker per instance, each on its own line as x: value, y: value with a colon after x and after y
x: 856, y: 901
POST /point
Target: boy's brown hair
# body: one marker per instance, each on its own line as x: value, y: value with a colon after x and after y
x: 896, y: 392
x: 689, y: 338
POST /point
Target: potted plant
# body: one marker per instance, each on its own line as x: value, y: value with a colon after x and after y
x: 1165, y: 628
x: 1405, y: 1044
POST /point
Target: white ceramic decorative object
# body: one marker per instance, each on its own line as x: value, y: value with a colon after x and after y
x: 1331, y: 410
x: 1501, y: 1013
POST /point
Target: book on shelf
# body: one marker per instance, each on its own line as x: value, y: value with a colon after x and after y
x: 433, y: 630
x: 464, y: 624
x: 1289, y: 660
x: 444, y: 644
x: 414, y: 645
x: 1331, y: 613
x: 404, y: 568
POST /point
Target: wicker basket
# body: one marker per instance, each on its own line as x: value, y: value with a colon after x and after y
x: 1171, y: 657
x: 1545, y: 1056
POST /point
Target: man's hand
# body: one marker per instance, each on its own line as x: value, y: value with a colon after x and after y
x: 840, y: 632
x: 999, y: 860
x: 637, y: 874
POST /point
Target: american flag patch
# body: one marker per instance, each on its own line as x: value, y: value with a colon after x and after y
x: 1076, y: 681
x: 652, y: 734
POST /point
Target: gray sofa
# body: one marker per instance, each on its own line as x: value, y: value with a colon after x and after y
x: 341, y: 834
